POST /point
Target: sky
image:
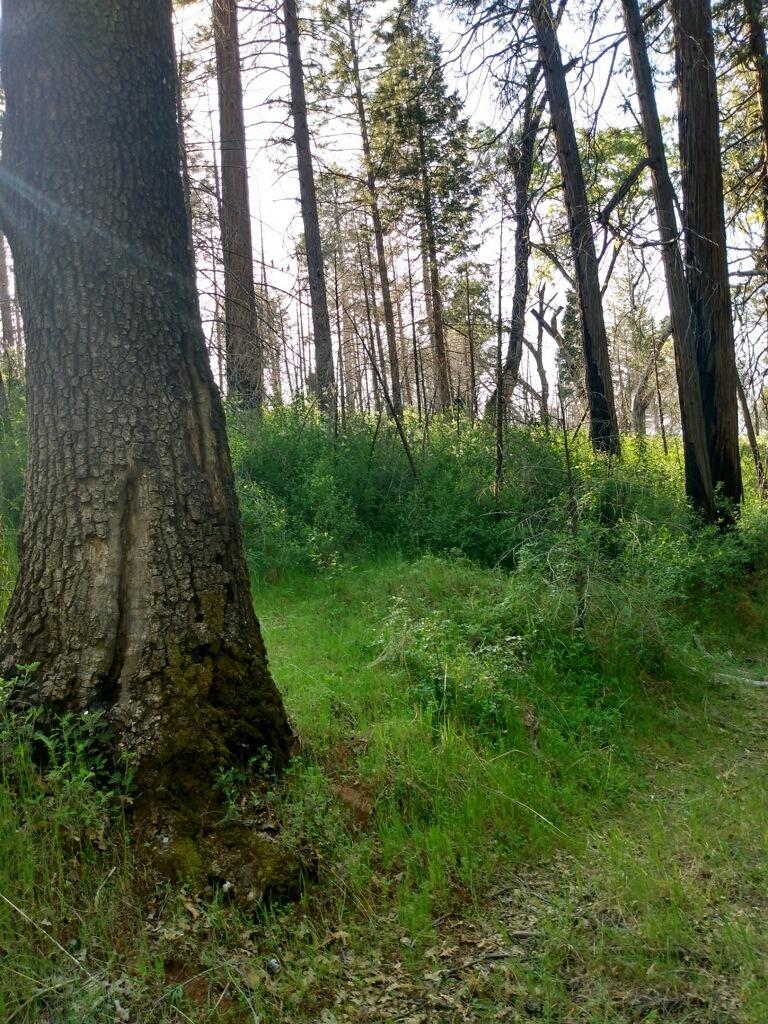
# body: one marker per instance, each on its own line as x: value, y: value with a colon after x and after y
x: 273, y: 181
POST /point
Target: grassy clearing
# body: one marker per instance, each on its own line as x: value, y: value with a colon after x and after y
x: 522, y: 793
x: 602, y: 858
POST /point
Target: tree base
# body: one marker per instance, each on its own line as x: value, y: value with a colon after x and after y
x: 248, y: 866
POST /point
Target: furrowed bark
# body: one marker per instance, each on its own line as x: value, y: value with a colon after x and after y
x: 706, y: 257
x: 132, y: 593
x: 698, y: 474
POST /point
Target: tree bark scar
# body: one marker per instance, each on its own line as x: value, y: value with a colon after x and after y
x: 201, y: 432
x: 133, y: 592
x: 128, y: 593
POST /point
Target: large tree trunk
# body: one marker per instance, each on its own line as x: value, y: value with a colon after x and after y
x: 132, y: 591
x: 378, y: 231
x: 244, y: 343
x: 698, y: 475
x: 321, y: 323
x: 705, y: 244
x: 604, y: 429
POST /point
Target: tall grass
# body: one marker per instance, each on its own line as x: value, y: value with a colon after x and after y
x: 474, y: 681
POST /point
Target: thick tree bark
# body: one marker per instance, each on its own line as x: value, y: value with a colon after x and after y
x: 442, y: 378
x: 698, y: 475
x: 705, y: 243
x: 321, y: 322
x: 244, y: 343
x: 132, y: 592
x: 604, y: 429
x: 378, y: 231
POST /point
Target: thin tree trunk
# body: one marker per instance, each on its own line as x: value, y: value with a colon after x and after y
x: 183, y: 151
x: 6, y: 303
x: 370, y: 348
x: 378, y: 232
x: 471, y: 348
x: 402, y: 353
x: 132, y: 594
x: 5, y: 413
x: 604, y: 430
x: 751, y: 436
x: 521, y: 157
x: 705, y: 242
x: 499, y: 419
x: 642, y: 392
x: 698, y: 475
x: 244, y: 346
x: 375, y: 309
x: 659, y: 405
x: 442, y: 379
x: 321, y: 323
x: 426, y: 285
x: 759, y: 54
x: 418, y: 376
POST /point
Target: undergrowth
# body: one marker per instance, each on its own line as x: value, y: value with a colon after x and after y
x: 475, y: 683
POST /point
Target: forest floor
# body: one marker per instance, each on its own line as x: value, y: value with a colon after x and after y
x: 649, y: 903
x: 652, y: 909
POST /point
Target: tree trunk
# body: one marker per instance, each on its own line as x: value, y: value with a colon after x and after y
x: 417, y: 376
x: 521, y: 157
x: 498, y: 476
x: 698, y: 475
x: 6, y: 302
x: 472, y: 404
x: 604, y: 430
x: 749, y: 426
x: 759, y: 54
x: 321, y: 322
x: 442, y: 380
x: 378, y: 232
x: 705, y: 243
x: 642, y: 392
x: 5, y: 413
x: 132, y: 591
x: 244, y: 344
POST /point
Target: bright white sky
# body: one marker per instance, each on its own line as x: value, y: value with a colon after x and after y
x: 273, y: 181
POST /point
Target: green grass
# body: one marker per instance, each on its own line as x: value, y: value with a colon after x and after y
x: 603, y: 859
x: 522, y: 792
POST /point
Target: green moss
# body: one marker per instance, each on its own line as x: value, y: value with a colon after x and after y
x: 180, y: 861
